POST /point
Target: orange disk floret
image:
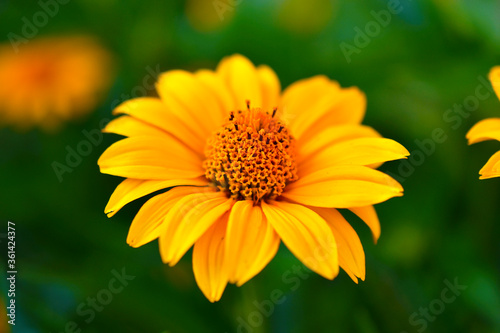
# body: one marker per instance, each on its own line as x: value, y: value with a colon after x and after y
x: 252, y: 157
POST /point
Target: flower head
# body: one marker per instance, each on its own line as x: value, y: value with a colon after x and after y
x: 252, y: 157
x: 250, y: 167
x: 488, y: 129
x: 51, y: 80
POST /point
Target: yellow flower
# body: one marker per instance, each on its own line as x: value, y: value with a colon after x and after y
x: 249, y: 167
x: 51, y: 80
x: 488, y: 129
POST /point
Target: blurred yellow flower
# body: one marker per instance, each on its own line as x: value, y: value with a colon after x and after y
x: 488, y: 129
x: 306, y: 17
x: 250, y: 167
x: 206, y: 16
x: 51, y: 80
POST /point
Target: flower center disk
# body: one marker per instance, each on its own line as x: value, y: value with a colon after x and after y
x: 252, y: 157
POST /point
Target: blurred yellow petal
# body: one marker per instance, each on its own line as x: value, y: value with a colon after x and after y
x: 369, y: 216
x: 270, y: 86
x: 219, y: 89
x: 487, y: 129
x: 241, y: 77
x: 494, y: 77
x: 492, y: 168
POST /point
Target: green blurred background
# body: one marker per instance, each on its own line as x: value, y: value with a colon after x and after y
x: 413, y: 70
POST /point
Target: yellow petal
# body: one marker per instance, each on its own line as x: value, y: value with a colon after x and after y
x: 154, y: 112
x: 188, y: 220
x: 333, y: 135
x: 362, y: 151
x: 306, y: 235
x: 251, y: 242
x: 209, y: 265
x: 369, y: 216
x: 343, y: 186
x: 219, y: 89
x: 132, y: 189
x: 494, y: 77
x: 492, y: 168
x: 190, y: 100
x: 348, y: 270
x: 129, y: 126
x: 310, y: 110
x: 487, y: 129
x: 147, y: 224
x: 270, y: 87
x: 306, y: 98
x: 348, y: 108
x: 318, y: 103
x: 350, y: 250
x: 150, y: 158
x: 240, y: 76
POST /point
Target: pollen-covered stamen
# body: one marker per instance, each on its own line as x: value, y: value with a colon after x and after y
x: 252, y: 156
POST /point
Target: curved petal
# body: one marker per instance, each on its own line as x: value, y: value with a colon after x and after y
x: 303, y: 97
x: 333, y: 135
x: 306, y: 235
x: 492, y: 168
x: 351, y: 254
x: 270, y: 87
x: 132, y: 189
x: 312, y: 109
x: 150, y: 158
x: 189, y: 99
x: 494, y: 77
x: 317, y: 103
x: 240, y: 76
x: 369, y: 216
x: 363, y: 151
x: 251, y: 242
x: 147, y: 224
x: 188, y: 220
x: 343, y: 186
x: 219, y: 89
x: 129, y: 126
x: 487, y: 129
x: 348, y: 108
x: 154, y: 112
x: 346, y: 269
x: 209, y: 265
